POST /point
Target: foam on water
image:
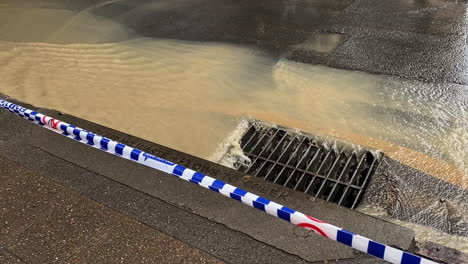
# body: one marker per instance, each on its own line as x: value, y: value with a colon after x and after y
x: 230, y: 152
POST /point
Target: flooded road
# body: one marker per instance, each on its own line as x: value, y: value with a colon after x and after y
x: 142, y: 87
x: 93, y: 61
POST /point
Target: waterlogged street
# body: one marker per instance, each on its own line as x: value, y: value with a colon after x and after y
x: 389, y: 76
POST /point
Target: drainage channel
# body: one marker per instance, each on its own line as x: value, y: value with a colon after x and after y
x: 307, y: 163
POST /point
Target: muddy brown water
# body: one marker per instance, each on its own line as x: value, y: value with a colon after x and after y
x: 189, y: 96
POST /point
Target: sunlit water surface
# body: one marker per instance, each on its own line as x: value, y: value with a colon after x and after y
x: 191, y: 95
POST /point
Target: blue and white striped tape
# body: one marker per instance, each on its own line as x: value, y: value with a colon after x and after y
x: 343, y: 236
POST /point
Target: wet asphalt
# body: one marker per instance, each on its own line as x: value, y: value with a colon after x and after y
x: 419, y: 39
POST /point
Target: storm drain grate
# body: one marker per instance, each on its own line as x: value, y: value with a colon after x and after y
x: 307, y: 164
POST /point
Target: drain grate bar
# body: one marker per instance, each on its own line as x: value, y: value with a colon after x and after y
x: 365, y: 180
x: 338, y: 186
x: 307, y: 164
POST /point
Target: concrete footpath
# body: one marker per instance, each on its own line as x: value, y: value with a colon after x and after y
x: 64, y: 202
x: 45, y: 222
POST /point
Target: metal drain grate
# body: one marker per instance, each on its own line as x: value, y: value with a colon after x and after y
x: 300, y: 162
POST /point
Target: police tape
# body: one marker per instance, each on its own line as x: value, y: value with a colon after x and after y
x: 343, y: 236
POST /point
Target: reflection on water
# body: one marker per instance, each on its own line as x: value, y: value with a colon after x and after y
x: 191, y: 95
x: 323, y: 43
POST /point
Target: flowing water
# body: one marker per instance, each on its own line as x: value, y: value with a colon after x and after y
x: 191, y: 95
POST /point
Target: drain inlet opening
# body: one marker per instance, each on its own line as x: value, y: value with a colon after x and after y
x: 307, y: 163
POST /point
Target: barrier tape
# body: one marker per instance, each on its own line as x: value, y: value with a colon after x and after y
x: 343, y: 236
